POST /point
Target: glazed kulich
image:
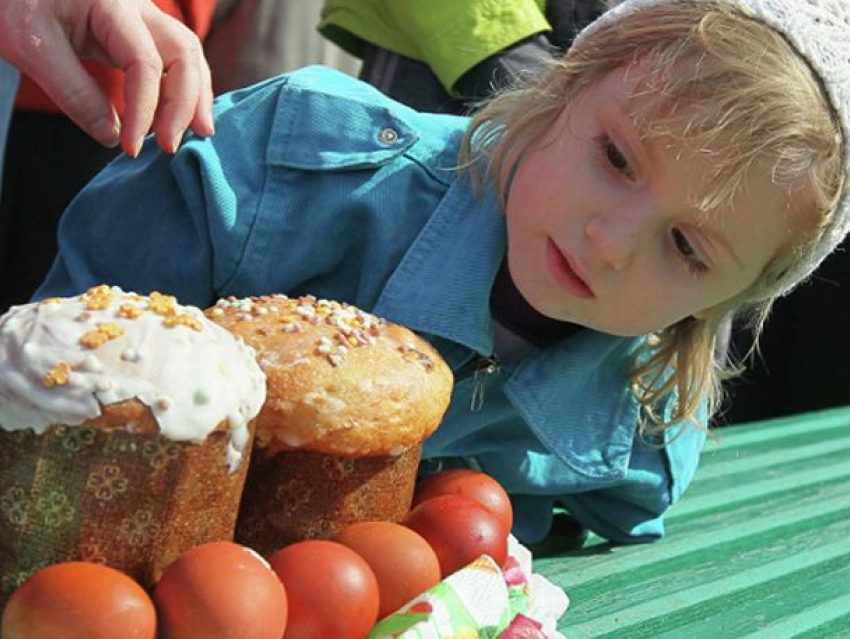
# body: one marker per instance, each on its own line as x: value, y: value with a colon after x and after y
x: 125, y: 423
x: 351, y: 397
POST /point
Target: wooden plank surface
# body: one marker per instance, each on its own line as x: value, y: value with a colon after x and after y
x: 758, y: 547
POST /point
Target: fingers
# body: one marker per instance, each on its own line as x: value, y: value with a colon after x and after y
x: 34, y: 40
x: 167, y: 80
x: 71, y: 87
x: 186, y: 93
x: 203, y: 123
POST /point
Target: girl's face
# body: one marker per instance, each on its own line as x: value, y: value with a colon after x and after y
x: 602, y: 231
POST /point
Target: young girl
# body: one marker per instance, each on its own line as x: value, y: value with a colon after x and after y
x: 570, y: 250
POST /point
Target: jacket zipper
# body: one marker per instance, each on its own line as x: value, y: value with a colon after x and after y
x: 479, y: 368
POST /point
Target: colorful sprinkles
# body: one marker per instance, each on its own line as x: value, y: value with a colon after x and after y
x: 129, y: 311
x: 165, y: 305
x: 182, y: 320
x: 98, y: 298
x: 414, y: 354
x: 58, y: 375
x: 102, y: 298
x: 354, y: 328
x: 102, y: 334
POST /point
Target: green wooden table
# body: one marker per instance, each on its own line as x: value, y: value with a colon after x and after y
x: 759, y: 545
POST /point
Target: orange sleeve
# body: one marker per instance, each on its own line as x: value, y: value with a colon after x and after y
x: 195, y: 14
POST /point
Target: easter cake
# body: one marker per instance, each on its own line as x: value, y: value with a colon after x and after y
x: 351, y: 398
x: 125, y: 426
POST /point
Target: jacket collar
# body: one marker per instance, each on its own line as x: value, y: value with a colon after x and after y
x: 574, y: 395
x: 449, y: 271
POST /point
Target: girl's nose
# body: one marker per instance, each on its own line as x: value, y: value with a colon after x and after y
x: 614, y: 238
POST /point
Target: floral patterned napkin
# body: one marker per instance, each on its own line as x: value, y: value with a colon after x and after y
x: 482, y: 601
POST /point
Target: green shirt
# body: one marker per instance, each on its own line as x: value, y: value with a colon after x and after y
x: 450, y: 37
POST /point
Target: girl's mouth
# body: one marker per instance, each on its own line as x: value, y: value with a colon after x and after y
x: 565, y: 274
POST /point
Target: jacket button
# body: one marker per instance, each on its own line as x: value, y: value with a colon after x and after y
x: 388, y: 136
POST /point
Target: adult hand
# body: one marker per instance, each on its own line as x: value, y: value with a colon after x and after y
x: 167, y: 80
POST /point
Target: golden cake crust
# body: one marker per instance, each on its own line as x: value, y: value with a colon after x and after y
x: 339, y: 380
x: 131, y: 415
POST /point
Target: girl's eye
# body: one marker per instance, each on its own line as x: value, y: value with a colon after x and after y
x: 615, y: 157
x: 687, y: 252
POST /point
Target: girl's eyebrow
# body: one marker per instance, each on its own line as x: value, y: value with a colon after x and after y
x: 639, y: 146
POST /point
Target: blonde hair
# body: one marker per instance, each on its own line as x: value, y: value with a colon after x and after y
x: 738, y: 89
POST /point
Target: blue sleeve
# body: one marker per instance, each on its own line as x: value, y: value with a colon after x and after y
x: 658, y: 476
x: 631, y: 509
x: 609, y: 513
x: 9, y: 78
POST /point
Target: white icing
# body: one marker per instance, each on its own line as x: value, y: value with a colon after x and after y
x: 167, y: 368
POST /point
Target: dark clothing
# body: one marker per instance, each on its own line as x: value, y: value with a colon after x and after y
x: 49, y: 159
x: 413, y: 83
x: 805, y: 345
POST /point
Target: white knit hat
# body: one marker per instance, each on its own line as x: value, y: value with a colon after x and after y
x: 820, y: 32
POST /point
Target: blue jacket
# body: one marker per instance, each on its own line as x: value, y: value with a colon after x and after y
x: 316, y: 183
x: 9, y: 78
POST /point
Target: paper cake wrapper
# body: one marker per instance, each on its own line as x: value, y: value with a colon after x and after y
x: 131, y: 501
x: 296, y: 495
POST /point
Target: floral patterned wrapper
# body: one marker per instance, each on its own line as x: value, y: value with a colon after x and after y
x: 130, y: 500
x: 482, y: 601
x: 296, y: 495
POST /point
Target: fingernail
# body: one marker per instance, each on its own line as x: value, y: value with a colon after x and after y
x: 107, y: 132
x: 137, y: 145
x: 168, y: 144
